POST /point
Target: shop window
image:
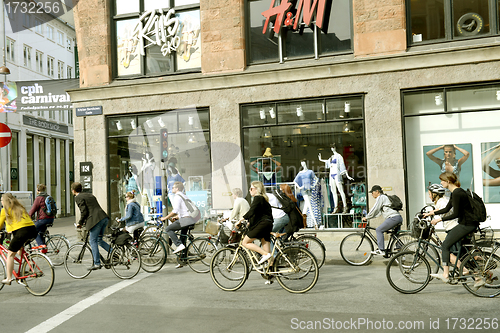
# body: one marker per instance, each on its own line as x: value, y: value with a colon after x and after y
x: 160, y: 50
x: 42, y: 179
x: 14, y: 162
x: 265, y: 44
x: 71, y: 167
x: 432, y: 20
x: 30, y: 163
x: 459, y: 140
x: 147, y: 153
x: 53, y: 168
x: 62, y: 178
x: 309, y: 135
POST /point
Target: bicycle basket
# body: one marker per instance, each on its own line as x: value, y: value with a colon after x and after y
x: 484, y: 237
x: 122, y: 238
x: 212, y: 228
x: 235, y: 236
x: 420, y: 229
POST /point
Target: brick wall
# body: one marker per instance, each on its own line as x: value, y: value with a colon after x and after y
x: 379, y: 27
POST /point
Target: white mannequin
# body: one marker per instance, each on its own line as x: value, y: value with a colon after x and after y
x: 305, y: 193
x: 148, y: 166
x: 337, y: 169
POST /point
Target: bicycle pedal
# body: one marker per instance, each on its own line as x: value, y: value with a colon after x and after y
x: 453, y: 282
x: 21, y: 282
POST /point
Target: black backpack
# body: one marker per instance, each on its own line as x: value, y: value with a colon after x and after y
x: 50, y: 206
x: 396, y: 202
x: 287, y: 205
x: 478, y: 209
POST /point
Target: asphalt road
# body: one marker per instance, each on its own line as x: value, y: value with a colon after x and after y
x: 346, y: 298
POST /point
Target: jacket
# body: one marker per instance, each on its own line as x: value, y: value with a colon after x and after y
x: 133, y: 214
x: 39, y: 208
x: 91, y: 211
x: 24, y: 222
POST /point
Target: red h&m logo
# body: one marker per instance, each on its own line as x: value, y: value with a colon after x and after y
x: 307, y: 7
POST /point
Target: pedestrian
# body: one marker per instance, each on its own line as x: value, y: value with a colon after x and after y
x: 392, y: 217
x: 95, y: 220
x: 42, y: 219
x: 19, y: 223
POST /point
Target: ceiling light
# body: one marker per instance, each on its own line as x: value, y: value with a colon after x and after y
x: 191, y: 121
x: 266, y: 133
x: 119, y: 125
x: 4, y: 70
x: 296, y: 131
x: 132, y: 123
x: 498, y: 95
x: 439, y: 99
x: 262, y: 114
x: 150, y: 123
x: 161, y: 123
x: 347, y: 107
x: 347, y: 127
x: 272, y: 113
x: 300, y: 112
x: 192, y: 138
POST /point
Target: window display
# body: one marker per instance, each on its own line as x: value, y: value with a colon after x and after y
x: 283, y: 140
x: 490, y: 161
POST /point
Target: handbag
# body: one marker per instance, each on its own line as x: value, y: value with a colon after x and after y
x: 193, y: 211
x: 212, y: 228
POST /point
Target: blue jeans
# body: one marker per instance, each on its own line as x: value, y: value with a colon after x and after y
x: 280, y: 223
x: 389, y: 223
x: 95, y: 239
x: 41, y: 227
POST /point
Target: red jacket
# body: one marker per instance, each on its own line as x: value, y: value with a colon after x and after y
x: 39, y: 208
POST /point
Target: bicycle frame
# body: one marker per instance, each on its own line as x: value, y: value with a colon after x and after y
x: 392, y: 237
x: 23, y: 258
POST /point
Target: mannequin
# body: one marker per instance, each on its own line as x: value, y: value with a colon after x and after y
x: 148, y: 167
x: 337, y: 169
x: 303, y: 181
x: 131, y: 178
x: 172, y: 177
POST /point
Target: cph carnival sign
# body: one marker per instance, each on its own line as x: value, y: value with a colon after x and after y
x: 284, y: 15
x: 156, y: 27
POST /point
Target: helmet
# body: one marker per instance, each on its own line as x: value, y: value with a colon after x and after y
x: 436, y: 188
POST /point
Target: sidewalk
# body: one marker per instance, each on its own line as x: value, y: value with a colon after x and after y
x: 331, y: 239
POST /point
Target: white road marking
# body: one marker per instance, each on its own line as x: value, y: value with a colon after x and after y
x: 67, y: 314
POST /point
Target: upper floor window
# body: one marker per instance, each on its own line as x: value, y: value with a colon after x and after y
x: 60, y: 70
x: 27, y: 56
x: 10, y: 48
x: 38, y: 26
x: 50, y: 66
x: 39, y: 61
x: 68, y: 45
x: 69, y: 72
x: 302, y: 33
x: 438, y: 20
x: 174, y: 47
x: 60, y: 38
x: 26, y: 20
x: 50, y: 32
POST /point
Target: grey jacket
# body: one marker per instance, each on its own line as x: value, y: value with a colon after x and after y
x: 382, y: 206
x: 91, y: 211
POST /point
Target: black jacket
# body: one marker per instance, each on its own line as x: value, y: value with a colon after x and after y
x: 91, y: 211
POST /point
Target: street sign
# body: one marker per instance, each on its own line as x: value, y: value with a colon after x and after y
x: 5, y: 135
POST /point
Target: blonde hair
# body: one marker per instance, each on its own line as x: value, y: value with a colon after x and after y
x: 14, y: 211
x: 130, y: 195
x: 261, y: 190
x: 238, y: 192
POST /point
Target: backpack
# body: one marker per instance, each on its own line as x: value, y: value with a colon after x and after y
x: 478, y: 211
x: 396, y: 202
x: 50, y: 206
x: 287, y: 205
x: 193, y: 211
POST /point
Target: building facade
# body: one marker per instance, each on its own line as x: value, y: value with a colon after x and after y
x: 38, y: 47
x: 332, y: 97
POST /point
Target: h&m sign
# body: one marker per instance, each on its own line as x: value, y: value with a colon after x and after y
x: 286, y: 14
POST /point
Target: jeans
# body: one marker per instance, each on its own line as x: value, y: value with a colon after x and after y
x: 41, y: 227
x: 389, y: 223
x: 280, y: 223
x: 172, y: 228
x: 95, y: 239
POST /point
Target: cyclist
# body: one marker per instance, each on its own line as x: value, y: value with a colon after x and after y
x: 240, y: 206
x: 392, y: 217
x: 20, y: 225
x: 42, y: 219
x: 261, y: 222
x: 95, y: 220
x: 459, y: 201
x: 133, y: 217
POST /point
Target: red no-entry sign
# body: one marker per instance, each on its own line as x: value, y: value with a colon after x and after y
x: 5, y: 135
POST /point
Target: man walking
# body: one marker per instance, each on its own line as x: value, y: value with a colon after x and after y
x: 95, y: 220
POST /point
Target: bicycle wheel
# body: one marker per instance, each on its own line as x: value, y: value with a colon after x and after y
x: 482, y: 266
x: 428, y: 251
x: 57, y: 246
x: 356, y: 249
x: 125, y: 261
x: 228, y: 269
x: 296, y: 269
x: 401, y: 239
x: 316, y: 246
x: 78, y: 260
x: 40, y: 274
x: 408, y: 272
x: 199, y: 254
x: 2, y: 272
x: 153, y: 254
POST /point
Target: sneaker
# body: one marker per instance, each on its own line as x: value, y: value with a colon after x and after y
x: 478, y: 284
x: 179, y: 266
x: 179, y: 248
x: 378, y: 252
x: 440, y: 276
x: 264, y: 258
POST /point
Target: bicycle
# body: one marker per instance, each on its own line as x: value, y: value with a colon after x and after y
x: 295, y: 267
x: 35, y: 270
x: 356, y: 248
x: 154, y: 249
x: 56, y: 246
x: 124, y: 259
x: 409, y: 271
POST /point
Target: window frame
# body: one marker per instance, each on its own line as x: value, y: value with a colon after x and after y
x: 50, y: 66
x: 27, y: 50
x: 39, y: 61
x: 10, y: 52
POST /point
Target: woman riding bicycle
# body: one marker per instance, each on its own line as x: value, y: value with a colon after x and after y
x: 133, y: 217
x: 20, y: 225
x: 261, y: 222
x: 459, y: 201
